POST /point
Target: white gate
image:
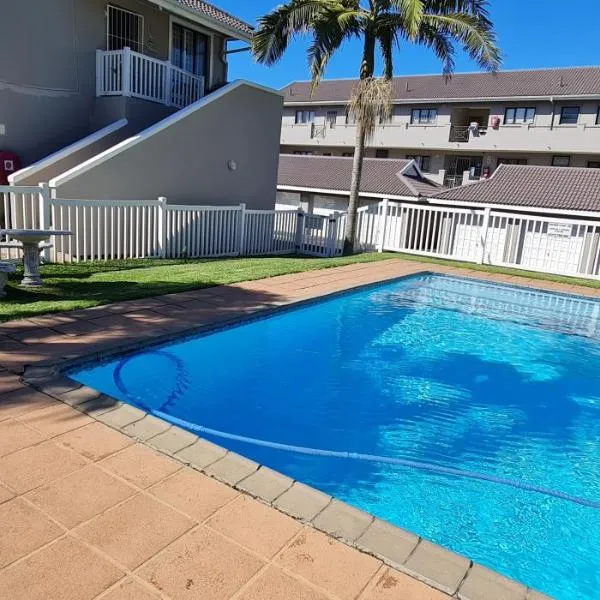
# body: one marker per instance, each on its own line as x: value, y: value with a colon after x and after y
x: 319, y: 235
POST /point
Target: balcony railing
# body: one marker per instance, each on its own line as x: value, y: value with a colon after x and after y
x: 128, y: 73
x: 318, y: 131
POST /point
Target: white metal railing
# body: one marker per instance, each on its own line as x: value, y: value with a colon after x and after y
x: 128, y: 73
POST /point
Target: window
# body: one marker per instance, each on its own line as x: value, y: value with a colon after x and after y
x: 512, y: 161
x: 520, y: 114
x: 423, y: 161
x: 303, y: 153
x: 593, y: 164
x: 347, y: 154
x: 190, y: 50
x: 331, y: 118
x: 326, y: 153
x: 423, y: 116
x: 598, y: 116
x: 124, y: 29
x: 561, y: 161
x: 382, y: 153
x: 350, y: 119
x: 305, y: 116
x: 569, y: 115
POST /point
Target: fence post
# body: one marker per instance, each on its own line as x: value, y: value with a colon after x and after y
x: 299, y: 229
x: 44, y: 214
x: 242, y: 228
x: 382, y: 224
x: 483, y: 234
x: 99, y: 73
x: 126, y: 72
x: 162, y: 227
x: 332, y: 235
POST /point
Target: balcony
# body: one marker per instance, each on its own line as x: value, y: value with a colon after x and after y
x: 128, y: 73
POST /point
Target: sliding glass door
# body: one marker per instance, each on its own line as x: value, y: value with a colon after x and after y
x: 190, y: 51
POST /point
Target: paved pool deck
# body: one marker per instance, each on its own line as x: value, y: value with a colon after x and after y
x: 100, y: 500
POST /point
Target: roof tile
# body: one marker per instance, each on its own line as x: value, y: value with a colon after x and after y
x: 562, y: 188
x: 210, y: 10
x: 571, y: 81
x: 379, y: 175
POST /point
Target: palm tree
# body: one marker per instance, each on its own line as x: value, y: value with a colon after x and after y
x: 381, y: 24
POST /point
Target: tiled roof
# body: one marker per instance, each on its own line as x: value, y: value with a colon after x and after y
x: 563, y: 188
x: 379, y: 175
x: 572, y: 81
x: 211, y: 11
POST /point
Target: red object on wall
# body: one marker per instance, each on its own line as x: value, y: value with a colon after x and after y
x: 9, y: 163
x: 495, y: 122
x: 486, y: 172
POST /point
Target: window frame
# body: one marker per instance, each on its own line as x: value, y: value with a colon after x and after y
x: 304, y: 112
x: 598, y: 116
x: 593, y: 164
x: 422, y: 121
x: 515, y: 120
x: 561, y: 120
x: 385, y: 151
x: 141, y: 29
x: 347, y: 154
x: 331, y: 123
x: 421, y: 160
x: 567, y: 156
x: 510, y: 161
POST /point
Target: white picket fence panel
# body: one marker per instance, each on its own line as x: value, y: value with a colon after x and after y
x: 270, y: 232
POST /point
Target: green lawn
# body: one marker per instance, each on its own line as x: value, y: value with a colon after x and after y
x: 82, y: 285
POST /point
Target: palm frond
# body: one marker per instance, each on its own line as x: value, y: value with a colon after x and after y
x: 412, y: 12
x: 371, y: 103
x: 473, y: 33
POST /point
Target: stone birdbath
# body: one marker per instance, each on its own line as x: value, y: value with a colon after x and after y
x: 30, y: 239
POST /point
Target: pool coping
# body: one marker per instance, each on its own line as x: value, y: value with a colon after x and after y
x: 428, y: 562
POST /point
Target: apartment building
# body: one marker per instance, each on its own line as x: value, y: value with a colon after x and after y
x: 130, y: 99
x: 459, y: 129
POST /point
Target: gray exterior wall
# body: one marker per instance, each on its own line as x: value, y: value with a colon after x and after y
x: 48, y: 69
x: 188, y: 161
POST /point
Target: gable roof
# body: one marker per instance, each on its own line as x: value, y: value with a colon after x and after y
x: 217, y: 15
x: 560, y: 188
x: 560, y: 82
x: 380, y: 176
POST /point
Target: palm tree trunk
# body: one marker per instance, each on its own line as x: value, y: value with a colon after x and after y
x: 357, y: 164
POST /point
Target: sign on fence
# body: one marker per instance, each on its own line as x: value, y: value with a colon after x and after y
x: 559, y: 229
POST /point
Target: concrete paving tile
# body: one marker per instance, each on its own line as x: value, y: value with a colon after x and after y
x: 343, y: 521
x: 24, y: 529
x: 276, y: 584
x: 79, y: 395
x: 94, y: 441
x: 136, y: 530
x: 256, y: 526
x: 38, y: 465
x: 147, y: 428
x: 194, y: 494
x: 140, y: 465
x: 57, y: 385
x: 392, y: 585
x: 202, y: 564
x: 36, y: 335
x: 52, y: 320
x: 173, y: 440
x: 302, y: 502
x: 100, y: 405
x: 9, y: 382
x: 122, y: 416
x: 388, y: 541
x: 16, y: 436
x: 65, y: 570
x: 534, y: 595
x: 337, y: 568
x: 75, y: 327
x: 54, y: 420
x: 266, y: 484
x: 5, y: 494
x: 129, y: 589
x: 80, y: 496
x: 232, y: 468
x: 22, y: 401
x: 436, y: 566
x: 201, y: 454
x: 482, y: 584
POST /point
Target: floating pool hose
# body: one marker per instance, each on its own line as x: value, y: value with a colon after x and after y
x: 403, y: 462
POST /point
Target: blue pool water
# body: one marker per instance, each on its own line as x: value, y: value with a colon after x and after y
x: 489, y: 380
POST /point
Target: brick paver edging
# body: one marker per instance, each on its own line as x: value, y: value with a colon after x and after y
x: 441, y: 569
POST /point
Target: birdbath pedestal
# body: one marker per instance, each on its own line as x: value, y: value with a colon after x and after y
x: 30, y: 240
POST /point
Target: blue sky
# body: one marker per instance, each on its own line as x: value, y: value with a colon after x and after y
x: 532, y: 34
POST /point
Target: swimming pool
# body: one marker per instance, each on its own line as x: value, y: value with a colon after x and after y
x: 487, y: 387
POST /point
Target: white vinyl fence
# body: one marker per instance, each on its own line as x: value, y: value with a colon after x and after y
x: 114, y: 229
